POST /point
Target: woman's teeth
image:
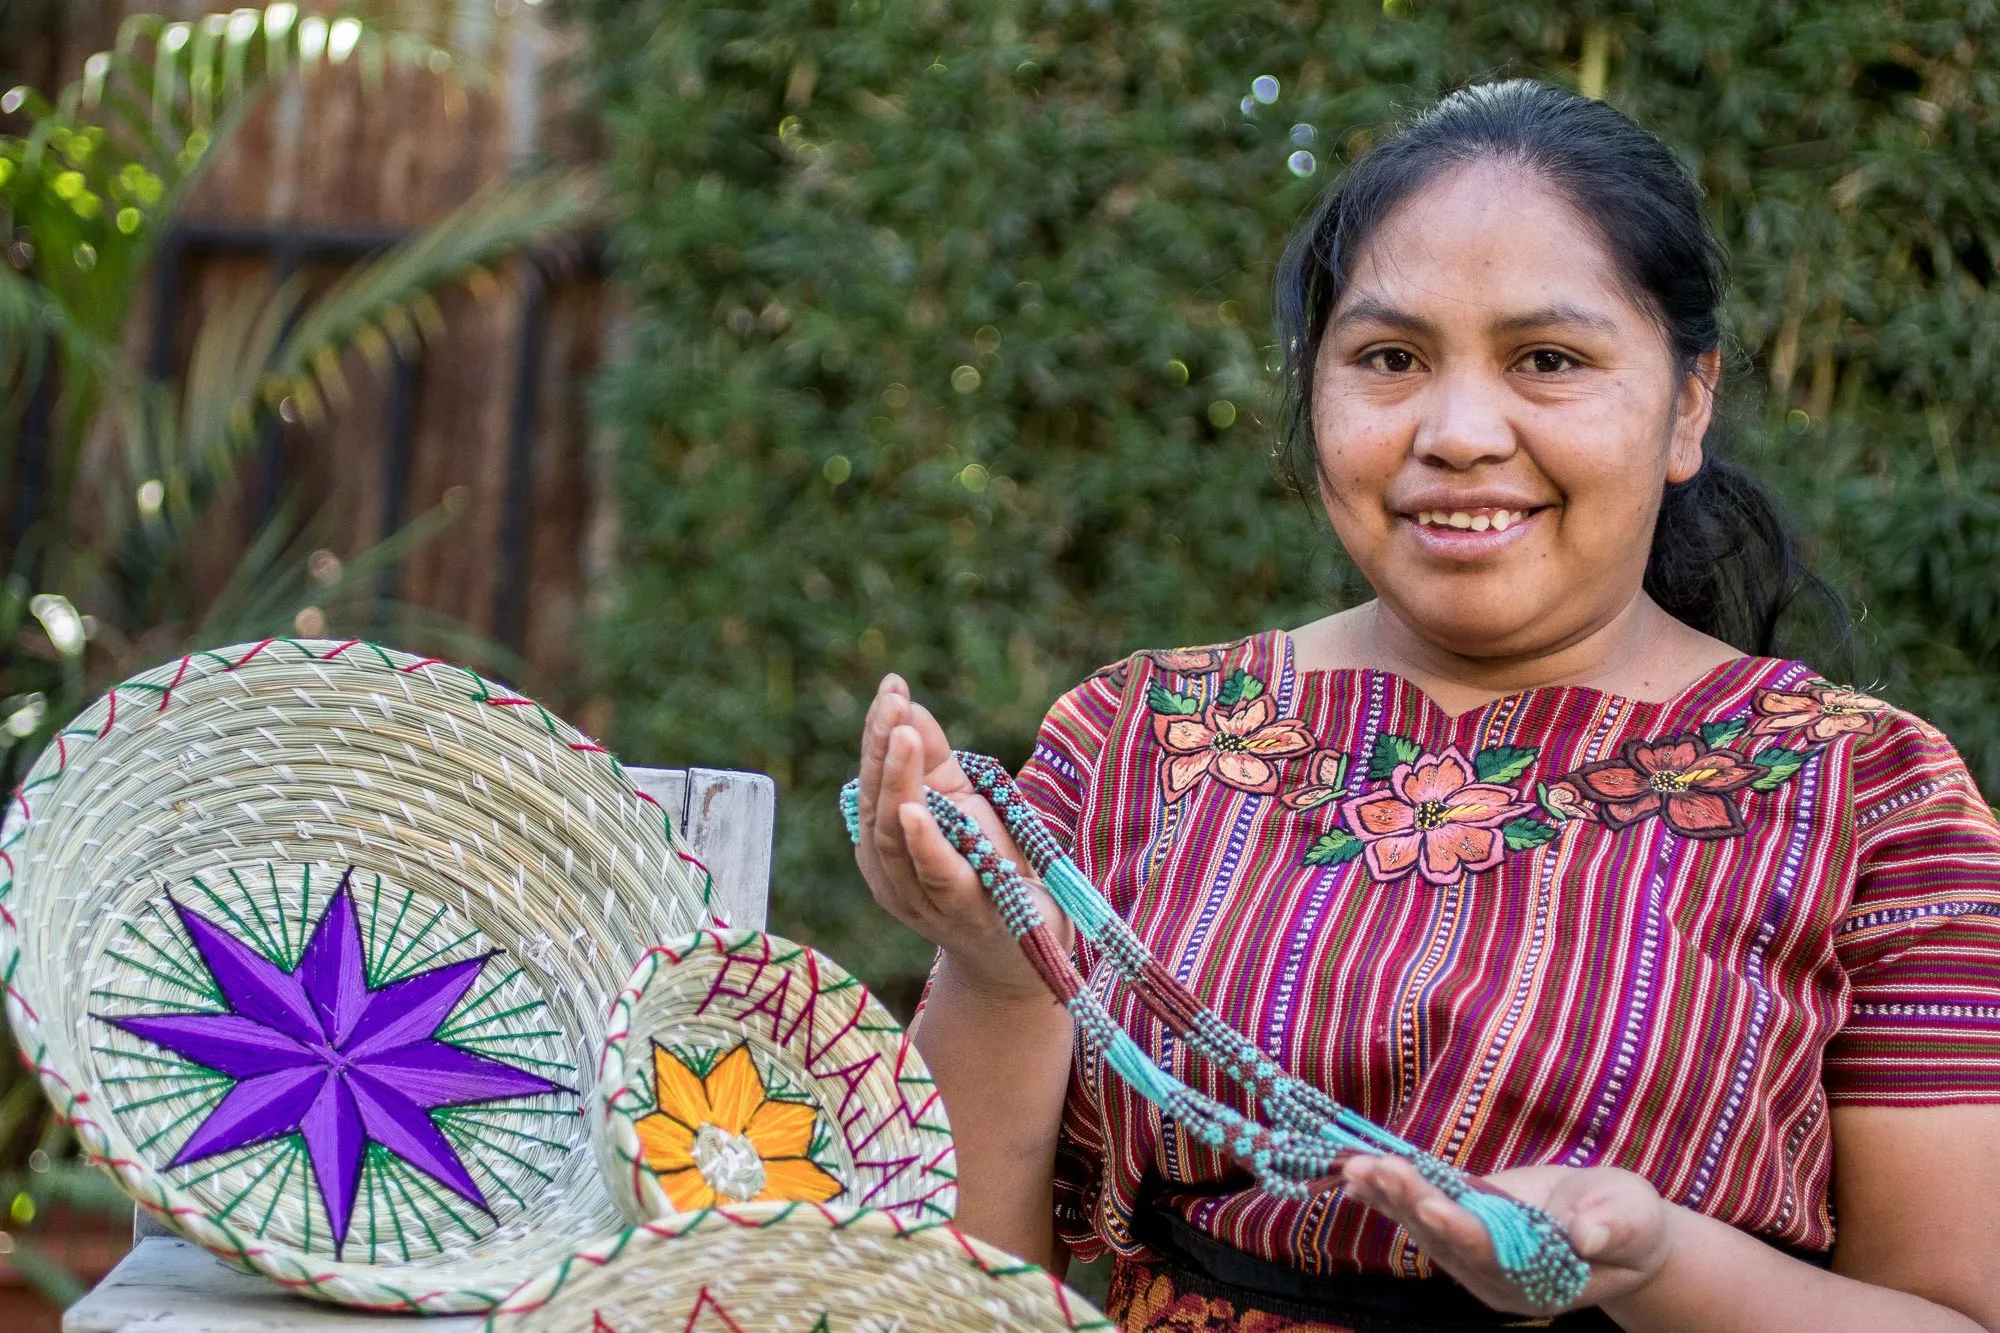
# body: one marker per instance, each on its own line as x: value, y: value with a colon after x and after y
x: 1499, y: 519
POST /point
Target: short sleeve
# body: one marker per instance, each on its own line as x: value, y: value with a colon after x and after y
x: 1056, y: 781
x: 1921, y: 939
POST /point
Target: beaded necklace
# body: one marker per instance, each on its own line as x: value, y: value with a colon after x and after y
x: 1295, y: 1155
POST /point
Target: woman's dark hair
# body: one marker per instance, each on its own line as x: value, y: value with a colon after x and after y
x: 1722, y: 559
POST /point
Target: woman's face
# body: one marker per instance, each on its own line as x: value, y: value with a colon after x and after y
x: 1496, y: 417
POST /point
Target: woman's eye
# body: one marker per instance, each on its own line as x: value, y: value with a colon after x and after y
x: 1394, y: 360
x: 1548, y: 361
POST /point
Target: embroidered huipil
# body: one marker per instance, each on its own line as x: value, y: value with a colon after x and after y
x: 1563, y: 928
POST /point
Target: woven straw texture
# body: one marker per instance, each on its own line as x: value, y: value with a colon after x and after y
x: 742, y: 1067
x: 793, y: 1268
x: 313, y: 941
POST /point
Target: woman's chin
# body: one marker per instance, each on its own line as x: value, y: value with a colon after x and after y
x: 1488, y: 619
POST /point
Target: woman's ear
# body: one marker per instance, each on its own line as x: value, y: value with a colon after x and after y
x: 1694, y: 408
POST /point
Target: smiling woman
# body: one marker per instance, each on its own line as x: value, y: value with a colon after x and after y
x: 1538, y: 859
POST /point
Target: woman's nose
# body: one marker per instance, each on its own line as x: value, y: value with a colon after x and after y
x: 1464, y: 421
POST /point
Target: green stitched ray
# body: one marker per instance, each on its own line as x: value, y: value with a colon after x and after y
x: 281, y: 939
x: 389, y: 970
x: 256, y: 939
x: 202, y: 1108
x: 195, y: 981
x: 467, y: 1009
x: 294, y: 1152
x: 402, y: 1178
x: 177, y: 1005
x: 149, y: 1058
x: 446, y: 1115
x: 450, y: 1031
x: 228, y: 1163
x: 374, y: 963
x: 207, y: 993
x: 466, y: 1133
x: 436, y: 954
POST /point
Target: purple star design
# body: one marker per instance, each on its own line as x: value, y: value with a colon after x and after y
x: 316, y: 1052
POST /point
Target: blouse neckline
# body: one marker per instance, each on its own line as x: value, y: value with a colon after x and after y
x: 1719, y: 673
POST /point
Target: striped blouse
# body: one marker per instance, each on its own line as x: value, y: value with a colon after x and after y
x: 1566, y: 927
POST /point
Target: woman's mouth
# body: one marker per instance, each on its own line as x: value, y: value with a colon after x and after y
x: 1473, y: 532
x: 1481, y: 519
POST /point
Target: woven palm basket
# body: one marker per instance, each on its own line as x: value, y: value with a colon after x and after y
x: 741, y: 1067
x: 313, y: 943
x: 793, y: 1268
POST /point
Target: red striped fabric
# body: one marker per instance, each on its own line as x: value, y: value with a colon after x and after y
x: 1564, y: 928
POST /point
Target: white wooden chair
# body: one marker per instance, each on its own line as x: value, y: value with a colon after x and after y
x: 166, y: 1285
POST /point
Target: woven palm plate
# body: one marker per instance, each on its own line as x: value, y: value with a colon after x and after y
x: 313, y: 942
x: 793, y: 1268
x: 742, y: 1067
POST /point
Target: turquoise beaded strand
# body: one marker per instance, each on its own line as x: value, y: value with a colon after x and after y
x: 1311, y: 1132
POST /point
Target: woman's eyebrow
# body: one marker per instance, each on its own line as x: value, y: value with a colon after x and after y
x: 1549, y: 316
x: 1369, y: 310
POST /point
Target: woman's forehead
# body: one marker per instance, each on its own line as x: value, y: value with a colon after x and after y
x: 1489, y: 243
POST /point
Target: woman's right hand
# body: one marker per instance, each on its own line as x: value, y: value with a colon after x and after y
x: 913, y: 871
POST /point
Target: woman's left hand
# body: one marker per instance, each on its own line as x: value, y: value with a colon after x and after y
x: 1615, y: 1219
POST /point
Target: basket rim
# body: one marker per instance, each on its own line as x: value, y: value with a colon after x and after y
x: 359, y: 1285
x: 616, y: 1057
x: 541, y: 1289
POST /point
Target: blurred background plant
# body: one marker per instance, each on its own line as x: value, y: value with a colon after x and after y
x: 119, y: 467
x: 953, y: 349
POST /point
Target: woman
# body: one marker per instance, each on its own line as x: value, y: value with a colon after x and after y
x: 1523, y: 859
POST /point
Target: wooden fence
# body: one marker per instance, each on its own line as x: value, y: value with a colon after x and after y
x: 492, y: 413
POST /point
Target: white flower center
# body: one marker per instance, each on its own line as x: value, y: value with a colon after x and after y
x: 728, y: 1162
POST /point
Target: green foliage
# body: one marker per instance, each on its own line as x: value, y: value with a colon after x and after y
x: 1502, y: 763
x: 130, y: 466
x: 954, y: 350
x: 1390, y: 753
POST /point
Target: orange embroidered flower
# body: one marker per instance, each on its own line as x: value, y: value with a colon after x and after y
x: 1819, y: 712
x: 1236, y: 742
x: 721, y: 1139
x: 1677, y: 778
x: 1434, y: 819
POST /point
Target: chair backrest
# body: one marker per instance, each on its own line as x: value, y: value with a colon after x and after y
x: 728, y: 819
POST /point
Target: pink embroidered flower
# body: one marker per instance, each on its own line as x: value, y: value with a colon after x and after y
x: 1236, y: 742
x: 1433, y: 819
x: 1819, y: 712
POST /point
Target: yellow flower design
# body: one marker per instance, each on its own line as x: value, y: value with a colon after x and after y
x: 721, y: 1139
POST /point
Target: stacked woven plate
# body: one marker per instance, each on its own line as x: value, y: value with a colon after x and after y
x: 318, y: 943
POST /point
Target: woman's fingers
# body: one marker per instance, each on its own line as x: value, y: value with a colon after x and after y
x: 944, y: 874
x: 939, y: 762
x: 892, y: 697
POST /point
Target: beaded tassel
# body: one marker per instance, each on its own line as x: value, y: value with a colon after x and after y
x: 1309, y: 1133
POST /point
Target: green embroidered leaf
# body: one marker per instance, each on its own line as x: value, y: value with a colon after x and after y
x: 1502, y: 763
x: 1241, y: 687
x: 1524, y: 833
x: 1718, y: 734
x: 1163, y: 700
x: 1784, y: 765
x: 1335, y: 849
x: 1390, y: 750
